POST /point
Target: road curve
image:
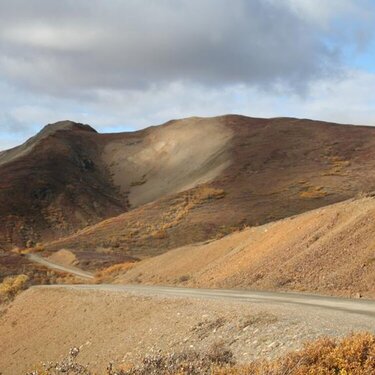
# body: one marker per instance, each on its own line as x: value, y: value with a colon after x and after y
x: 351, y: 306
x: 55, y: 266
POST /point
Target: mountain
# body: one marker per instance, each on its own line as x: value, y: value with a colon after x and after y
x: 197, y: 179
x: 54, y: 184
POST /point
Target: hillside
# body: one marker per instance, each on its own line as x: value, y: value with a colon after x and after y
x: 329, y: 250
x: 262, y: 170
x: 182, y: 182
x: 54, y: 184
x: 69, y: 176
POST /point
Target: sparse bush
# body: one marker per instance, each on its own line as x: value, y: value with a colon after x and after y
x: 16, y: 250
x: 203, y: 193
x: 38, y: 248
x: 220, y: 354
x: 313, y: 192
x: 29, y: 244
x: 11, y: 286
x: 354, y: 355
x: 184, y: 278
x: 204, y: 328
x: 159, y: 234
x: 365, y: 194
x: 68, y: 365
x: 109, y: 273
x: 338, y: 166
x: 186, y: 363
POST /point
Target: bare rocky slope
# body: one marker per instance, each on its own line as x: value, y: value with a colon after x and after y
x: 329, y: 250
x: 171, y: 185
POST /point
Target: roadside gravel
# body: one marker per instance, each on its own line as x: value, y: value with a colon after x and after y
x: 43, y: 323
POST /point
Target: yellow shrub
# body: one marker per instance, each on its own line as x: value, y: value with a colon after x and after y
x: 354, y: 354
x: 313, y: 192
x: 11, y: 286
x: 159, y: 234
x: 203, y: 193
x: 112, y: 271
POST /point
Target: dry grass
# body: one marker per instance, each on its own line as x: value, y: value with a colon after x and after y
x: 313, y: 192
x: 353, y: 355
x: 259, y: 319
x: 40, y: 275
x: 38, y: 248
x: 150, y: 230
x: 110, y: 273
x: 338, y: 166
x: 177, y: 212
x: 159, y: 234
x: 191, y: 199
x: 11, y: 286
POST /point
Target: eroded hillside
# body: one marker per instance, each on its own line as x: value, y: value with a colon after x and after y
x: 329, y: 250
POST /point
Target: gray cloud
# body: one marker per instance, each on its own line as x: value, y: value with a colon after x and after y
x: 63, y: 47
x: 142, y: 62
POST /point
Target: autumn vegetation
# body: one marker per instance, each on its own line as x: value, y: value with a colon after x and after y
x: 109, y: 274
x: 11, y: 286
x: 354, y: 355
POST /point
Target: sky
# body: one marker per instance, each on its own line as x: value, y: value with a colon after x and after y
x: 122, y: 65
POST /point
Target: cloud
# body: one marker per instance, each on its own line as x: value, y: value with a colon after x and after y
x: 70, y: 48
x: 129, y: 64
x: 348, y: 99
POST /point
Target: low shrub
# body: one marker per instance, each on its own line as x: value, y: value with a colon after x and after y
x: 107, y: 274
x: 353, y: 355
x: 11, y: 286
x: 159, y: 234
x: 313, y: 192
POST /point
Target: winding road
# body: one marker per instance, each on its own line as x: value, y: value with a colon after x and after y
x: 351, y: 306
x: 59, y: 267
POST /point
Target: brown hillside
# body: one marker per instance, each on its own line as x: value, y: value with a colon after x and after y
x: 329, y: 250
x: 54, y: 184
x: 69, y: 176
x: 186, y: 181
x: 275, y: 168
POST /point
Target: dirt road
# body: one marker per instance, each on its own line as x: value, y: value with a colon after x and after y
x: 351, y: 306
x: 55, y: 266
x: 357, y: 306
x: 123, y: 323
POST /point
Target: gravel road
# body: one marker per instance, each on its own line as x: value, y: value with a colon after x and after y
x: 346, y: 305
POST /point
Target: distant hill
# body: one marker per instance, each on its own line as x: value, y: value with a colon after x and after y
x: 197, y: 179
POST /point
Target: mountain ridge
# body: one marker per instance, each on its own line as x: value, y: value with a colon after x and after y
x: 185, y: 181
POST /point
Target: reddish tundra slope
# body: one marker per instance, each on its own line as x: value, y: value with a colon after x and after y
x: 142, y: 193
